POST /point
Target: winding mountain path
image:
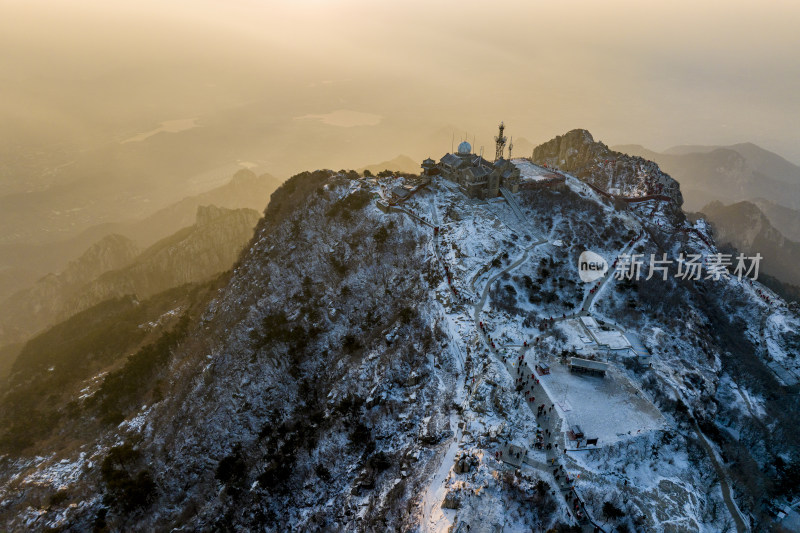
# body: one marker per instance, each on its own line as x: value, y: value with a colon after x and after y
x: 437, y: 488
x: 551, y: 423
x: 482, y: 300
x: 727, y: 493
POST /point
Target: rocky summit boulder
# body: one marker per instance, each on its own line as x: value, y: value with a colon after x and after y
x: 618, y: 174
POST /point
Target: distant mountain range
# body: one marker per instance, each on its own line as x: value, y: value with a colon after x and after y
x: 747, y: 228
x: 783, y: 218
x: 401, y: 163
x: 244, y: 190
x: 727, y: 174
x: 115, y: 267
x: 21, y: 264
x: 761, y: 190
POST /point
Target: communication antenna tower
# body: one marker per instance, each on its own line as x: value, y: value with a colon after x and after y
x: 510, y: 147
x: 501, y: 143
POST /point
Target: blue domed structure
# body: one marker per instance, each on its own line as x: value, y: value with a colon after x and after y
x: 464, y: 148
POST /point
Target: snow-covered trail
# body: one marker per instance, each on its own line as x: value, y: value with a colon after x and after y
x: 517, y: 210
x: 554, y: 421
x: 434, y: 518
x: 727, y: 493
x: 482, y: 301
x: 398, y: 209
x: 435, y: 241
x: 434, y: 211
x: 588, y: 303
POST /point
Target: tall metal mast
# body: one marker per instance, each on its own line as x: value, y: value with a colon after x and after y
x: 510, y: 147
x: 501, y: 143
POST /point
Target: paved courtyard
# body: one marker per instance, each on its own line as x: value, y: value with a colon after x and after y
x: 609, y: 408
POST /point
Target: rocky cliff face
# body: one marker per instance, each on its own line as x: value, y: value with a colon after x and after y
x: 579, y: 154
x: 113, y: 268
x: 572, y: 151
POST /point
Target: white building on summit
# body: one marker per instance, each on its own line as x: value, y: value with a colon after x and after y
x: 476, y: 177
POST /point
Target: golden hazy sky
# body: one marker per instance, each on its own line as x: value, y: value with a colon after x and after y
x: 657, y: 73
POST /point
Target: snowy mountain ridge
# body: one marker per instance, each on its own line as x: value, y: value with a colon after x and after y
x: 371, y: 366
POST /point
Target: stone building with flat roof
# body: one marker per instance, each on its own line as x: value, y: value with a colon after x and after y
x: 475, y: 176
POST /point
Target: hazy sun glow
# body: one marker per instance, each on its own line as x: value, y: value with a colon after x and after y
x: 296, y: 85
x: 657, y: 73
